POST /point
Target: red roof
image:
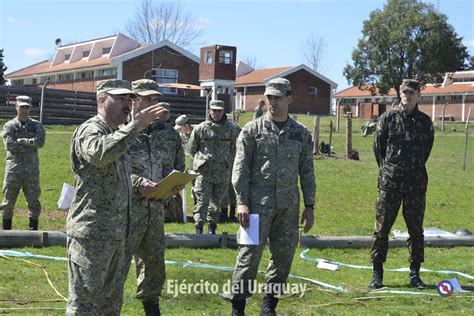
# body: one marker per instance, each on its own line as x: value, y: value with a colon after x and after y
x: 258, y: 76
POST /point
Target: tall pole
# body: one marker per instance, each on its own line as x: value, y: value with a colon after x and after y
x: 466, y: 135
x: 330, y: 138
x: 42, y: 101
x: 349, y: 135
x: 316, y: 135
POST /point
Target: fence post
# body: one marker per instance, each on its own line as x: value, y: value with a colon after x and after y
x: 349, y: 135
x: 316, y: 135
x: 42, y: 100
x: 330, y: 138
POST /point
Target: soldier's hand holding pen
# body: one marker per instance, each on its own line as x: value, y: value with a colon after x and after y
x: 143, y: 118
x: 243, y: 215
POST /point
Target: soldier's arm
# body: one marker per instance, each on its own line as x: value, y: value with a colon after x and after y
x: 38, y: 140
x: 10, y: 141
x: 194, y: 142
x: 180, y: 160
x: 380, y: 140
x: 430, y: 141
x: 243, y: 166
x: 306, y: 172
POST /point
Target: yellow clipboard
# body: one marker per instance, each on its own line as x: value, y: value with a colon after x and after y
x: 167, y: 184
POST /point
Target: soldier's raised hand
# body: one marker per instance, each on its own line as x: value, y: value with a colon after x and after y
x: 143, y: 118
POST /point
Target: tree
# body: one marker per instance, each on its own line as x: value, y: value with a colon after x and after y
x: 157, y: 20
x: 251, y: 61
x: 407, y: 39
x: 313, y: 50
x: 3, y: 68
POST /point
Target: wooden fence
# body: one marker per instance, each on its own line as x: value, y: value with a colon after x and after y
x: 64, y: 107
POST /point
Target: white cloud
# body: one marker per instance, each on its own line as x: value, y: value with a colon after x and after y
x: 468, y: 43
x: 11, y: 19
x: 34, y: 53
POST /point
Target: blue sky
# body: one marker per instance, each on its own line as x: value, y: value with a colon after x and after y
x: 271, y: 31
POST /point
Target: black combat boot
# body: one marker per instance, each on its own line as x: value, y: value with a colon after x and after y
x: 7, y: 224
x: 198, y: 230
x: 269, y: 304
x: 377, y: 276
x: 33, y: 224
x: 151, y: 308
x: 415, y: 280
x: 232, y: 217
x: 211, y: 229
x: 224, y: 218
x: 238, y: 307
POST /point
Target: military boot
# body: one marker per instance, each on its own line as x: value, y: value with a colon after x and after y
x: 224, y: 218
x: 198, y: 229
x: 268, y: 306
x: 7, y: 224
x: 377, y: 276
x: 238, y: 307
x: 232, y: 217
x: 211, y: 228
x: 415, y: 280
x: 33, y: 224
x: 151, y: 308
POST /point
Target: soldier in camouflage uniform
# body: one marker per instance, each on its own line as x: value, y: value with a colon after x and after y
x: 99, y: 217
x: 184, y: 127
x: 402, y: 144
x: 259, y: 110
x: 271, y: 152
x: 22, y: 137
x: 212, y: 145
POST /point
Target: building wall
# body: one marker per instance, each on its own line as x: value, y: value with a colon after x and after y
x: 216, y: 70
x: 303, y: 101
x: 86, y: 85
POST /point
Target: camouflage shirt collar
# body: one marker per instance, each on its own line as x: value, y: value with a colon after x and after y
x: 290, y: 123
x: 402, y: 110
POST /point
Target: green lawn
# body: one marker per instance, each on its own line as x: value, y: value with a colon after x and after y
x: 345, y: 199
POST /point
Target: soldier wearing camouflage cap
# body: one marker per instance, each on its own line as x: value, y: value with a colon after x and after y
x: 212, y: 145
x: 22, y: 137
x: 402, y: 144
x: 99, y: 217
x: 272, y: 151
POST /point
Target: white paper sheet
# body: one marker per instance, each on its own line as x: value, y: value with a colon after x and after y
x: 67, y: 194
x: 327, y: 266
x: 249, y: 236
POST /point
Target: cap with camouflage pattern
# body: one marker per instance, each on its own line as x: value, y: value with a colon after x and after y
x: 113, y: 86
x: 410, y: 84
x: 23, y: 100
x: 216, y: 105
x: 181, y: 121
x: 277, y: 87
x: 145, y: 87
x: 166, y: 105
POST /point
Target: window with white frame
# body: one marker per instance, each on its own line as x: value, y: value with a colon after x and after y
x: 18, y: 82
x: 106, y: 72
x: 85, y: 75
x: 86, y: 53
x: 66, y: 77
x: 46, y: 78
x: 225, y: 57
x: 313, y: 90
x: 106, y: 50
x: 166, y: 76
x: 67, y: 57
x: 209, y: 57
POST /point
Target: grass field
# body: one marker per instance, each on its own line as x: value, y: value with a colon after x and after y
x: 345, y: 198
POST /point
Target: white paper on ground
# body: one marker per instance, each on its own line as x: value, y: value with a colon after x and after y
x: 249, y: 236
x: 327, y: 266
x: 67, y: 194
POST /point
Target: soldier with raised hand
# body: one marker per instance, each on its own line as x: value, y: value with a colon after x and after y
x: 212, y: 145
x: 99, y: 217
x: 272, y: 151
x: 22, y: 137
x: 402, y: 145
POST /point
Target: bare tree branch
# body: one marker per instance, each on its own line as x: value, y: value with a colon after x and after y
x: 251, y: 61
x: 313, y: 51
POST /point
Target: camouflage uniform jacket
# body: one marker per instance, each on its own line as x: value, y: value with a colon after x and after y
x: 103, y: 187
x: 268, y: 162
x: 19, y: 156
x: 258, y: 112
x: 146, y: 158
x: 402, y: 145
x: 212, y: 146
x: 170, y: 147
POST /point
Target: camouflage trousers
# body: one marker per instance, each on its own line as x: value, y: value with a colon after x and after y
x: 95, y: 275
x: 30, y: 184
x: 147, y: 244
x: 280, y: 227
x: 413, y: 209
x: 205, y: 193
x: 229, y: 198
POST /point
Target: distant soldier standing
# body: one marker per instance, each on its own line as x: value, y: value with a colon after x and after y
x: 212, y: 146
x: 272, y: 151
x: 259, y: 109
x: 402, y: 145
x: 22, y: 137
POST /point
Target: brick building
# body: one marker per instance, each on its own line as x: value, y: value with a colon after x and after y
x: 311, y: 91
x: 455, y: 94
x: 78, y: 66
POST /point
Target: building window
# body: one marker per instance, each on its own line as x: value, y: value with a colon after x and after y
x: 256, y: 90
x: 209, y: 57
x: 456, y: 98
x: 106, y: 50
x: 313, y: 91
x: 34, y: 81
x: 441, y: 98
x: 106, y: 72
x: 86, y: 53
x: 19, y: 82
x: 225, y: 57
x: 85, y: 75
x: 65, y: 77
x: 44, y: 79
x: 367, y: 100
x: 166, y: 76
x: 67, y: 57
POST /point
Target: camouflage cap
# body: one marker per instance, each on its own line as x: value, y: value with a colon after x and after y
x: 181, y: 120
x: 113, y: 86
x: 410, y: 84
x: 166, y: 105
x: 145, y: 87
x: 277, y: 87
x: 216, y: 105
x: 23, y: 100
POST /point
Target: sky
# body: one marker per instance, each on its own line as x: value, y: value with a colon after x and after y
x: 270, y: 31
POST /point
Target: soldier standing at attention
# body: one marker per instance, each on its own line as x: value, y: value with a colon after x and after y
x: 402, y: 144
x: 98, y: 220
x: 22, y: 137
x: 271, y: 152
x: 212, y: 145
